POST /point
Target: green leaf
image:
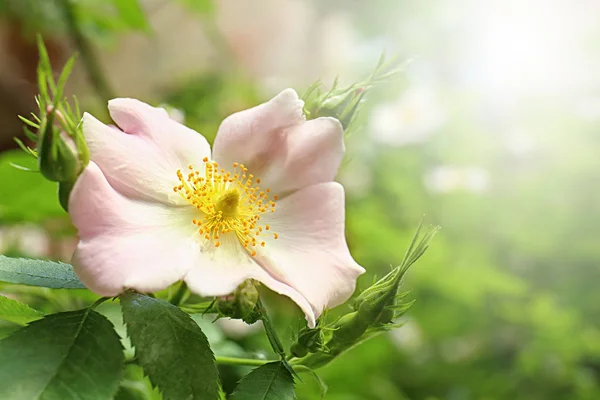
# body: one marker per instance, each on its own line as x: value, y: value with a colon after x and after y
x: 272, y: 381
x: 132, y: 14
x: 136, y: 386
x: 50, y: 274
x: 71, y: 355
x: 17, y: 312
x: 171, y: 348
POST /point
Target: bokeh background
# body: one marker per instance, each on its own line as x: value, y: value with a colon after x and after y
x: 491, y: 131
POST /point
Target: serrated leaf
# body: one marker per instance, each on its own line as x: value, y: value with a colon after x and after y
x: 50, y: 274
x: 136, y: 386
x: 17, y: 312
x: 171, y: 348
x: 272, y: 381
x: 132, y: 14
x: 72, y: 355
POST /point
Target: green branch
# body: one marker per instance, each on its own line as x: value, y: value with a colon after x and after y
x: 241, y: 361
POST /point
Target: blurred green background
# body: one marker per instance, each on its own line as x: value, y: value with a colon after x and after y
x: 491, y: 131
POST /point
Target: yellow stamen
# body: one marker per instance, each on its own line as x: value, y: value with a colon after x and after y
x: 231, y: 203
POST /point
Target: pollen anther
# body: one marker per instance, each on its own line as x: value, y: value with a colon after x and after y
x: 230, y: 203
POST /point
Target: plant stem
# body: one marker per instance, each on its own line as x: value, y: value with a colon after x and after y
x: 88, y: 55
x: 241, y: 361
x: 98, y: 302
x: 270, y: 331
x: 179, y: 294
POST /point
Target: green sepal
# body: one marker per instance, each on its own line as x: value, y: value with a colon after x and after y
x: 64, y: 191
x: 344, y: 103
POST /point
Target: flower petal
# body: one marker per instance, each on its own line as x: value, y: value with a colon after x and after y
x: 143, y: 162
x: 311, y: 253
x: 126, y: 244
x: 276, y: 144
x: 219, y: 274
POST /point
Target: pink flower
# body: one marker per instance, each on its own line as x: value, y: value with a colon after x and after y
x: 154, y: 206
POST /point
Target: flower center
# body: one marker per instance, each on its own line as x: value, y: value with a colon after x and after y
x: 230, y: 202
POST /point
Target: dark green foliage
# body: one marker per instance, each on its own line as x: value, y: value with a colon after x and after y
x: 50, y: 274
x: 171, y: 348
x: 71, y: 355
x: 272, y: 381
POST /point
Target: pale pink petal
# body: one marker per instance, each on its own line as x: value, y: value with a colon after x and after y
x: 220, y: 272
x: 311, y: 154
x: 138, y: 118
x: 142, y: 161
x: 277, y: 145
x: 128, y: 244
x: 247, y: 135
x: 311, y: 253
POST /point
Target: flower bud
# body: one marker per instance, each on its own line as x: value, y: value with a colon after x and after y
x: 241, y: 304
x: 309, y: 341
x: 63, y: 153
x: 372, y: 302
x: 346, y: 331
x: 370, y: 311
x: 375, y: 308
x: 340, y: 104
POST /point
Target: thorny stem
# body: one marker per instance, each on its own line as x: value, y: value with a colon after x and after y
x: 273, y: 338
x: 270, y: 331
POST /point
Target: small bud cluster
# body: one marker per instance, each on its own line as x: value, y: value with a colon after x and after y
x: 344, y: 103
x: 375, y: 310
x: 312, y: 340
x: 341, y: 104
x: 61, y: 149
x: 241, y: 304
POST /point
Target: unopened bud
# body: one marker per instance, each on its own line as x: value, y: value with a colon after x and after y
x: 241, y: 304
x: 375, y: 308
x: 370, y: 308
x: 372, y: 302
x: 346, y: 331
x: 63, y: 154
x: 309, y: 341
x: 340, y: 104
